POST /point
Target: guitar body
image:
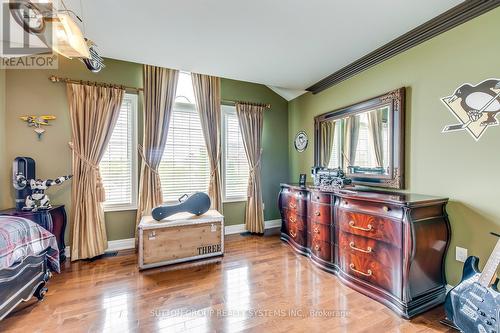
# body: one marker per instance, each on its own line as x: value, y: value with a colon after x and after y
x: 472, y: 307
x: 197, y: 204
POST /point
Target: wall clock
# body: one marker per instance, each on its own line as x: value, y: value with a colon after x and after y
x: 300, y: 141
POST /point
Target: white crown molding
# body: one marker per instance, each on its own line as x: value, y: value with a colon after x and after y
x: 286, y: 93
x: 129, y: 243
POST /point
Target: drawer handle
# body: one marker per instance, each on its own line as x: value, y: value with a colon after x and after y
x: 352, y: 246
x: 293, y: 206
x: 369, y: 227
x: 293, y: 219
x: 317, y: 247
x: 316, y: 230
x: 368, y: 273
x: 293, y: 234
x: 317, y: 213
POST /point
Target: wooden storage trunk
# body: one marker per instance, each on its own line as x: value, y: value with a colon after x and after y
x: 180, y: 237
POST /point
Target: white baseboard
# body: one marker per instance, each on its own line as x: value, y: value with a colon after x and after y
x: 129, y: 243
x: 234, y: 229
x: 239, y: 228
x: 121, y: 244
x: 114, y: 245
x: 272, y: 224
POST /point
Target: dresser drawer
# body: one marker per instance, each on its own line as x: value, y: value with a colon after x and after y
x: 294, y: 219
x: 321, y: 232
x: 296, y: 201
x: 372, y: 207
x: 373, y: 261
x: 320, y: 213
x: 319, y: 197
x: 386, y: 254
x: 299, y: 236
x: 370, y: 226
x: 322, y: 250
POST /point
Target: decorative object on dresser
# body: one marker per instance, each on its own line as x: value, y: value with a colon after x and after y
x: 474, y: 305
x: 179, y: 238
x: 302, y: 179
x: 388, y: 246
x: 197, y: 204
x: 30, y: 192
x: 329, y: 179
x: 53, y: 220
x: 38, y: 200
x: 365, y: 140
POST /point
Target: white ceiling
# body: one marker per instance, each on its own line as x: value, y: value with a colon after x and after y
x: 288, y: 44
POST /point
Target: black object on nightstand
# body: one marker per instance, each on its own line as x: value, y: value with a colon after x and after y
x: 53, y: 219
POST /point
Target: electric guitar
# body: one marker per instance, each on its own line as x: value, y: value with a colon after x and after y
x: 474, y: 306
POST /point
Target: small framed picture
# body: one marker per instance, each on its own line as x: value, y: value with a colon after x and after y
x: 302, y: 179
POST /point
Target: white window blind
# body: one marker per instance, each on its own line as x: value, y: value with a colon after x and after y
x: 235, y: 164
x: 184, y: 167
x: 119, y: 163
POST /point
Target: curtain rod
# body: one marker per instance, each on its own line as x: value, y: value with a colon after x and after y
x: 233, y: 102
x: 55, y: 79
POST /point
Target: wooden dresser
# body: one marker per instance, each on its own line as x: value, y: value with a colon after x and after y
x: 388, y: 246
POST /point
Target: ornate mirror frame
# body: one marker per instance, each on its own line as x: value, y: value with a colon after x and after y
x: 396, y: 101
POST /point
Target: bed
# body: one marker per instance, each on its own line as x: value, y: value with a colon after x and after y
x: 28, y: 255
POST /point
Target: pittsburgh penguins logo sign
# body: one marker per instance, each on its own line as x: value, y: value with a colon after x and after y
x: 475, y: 107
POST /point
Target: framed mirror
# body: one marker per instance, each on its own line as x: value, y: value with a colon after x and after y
x: 366, y: 140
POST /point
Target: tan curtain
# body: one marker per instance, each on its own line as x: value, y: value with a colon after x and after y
x: 160, y: 86
x: 207, y: 96
x: 351, y: 134
x: 327, y: 133
x: 93, y: 111
x: 251, y: 120
x: 375, y: 132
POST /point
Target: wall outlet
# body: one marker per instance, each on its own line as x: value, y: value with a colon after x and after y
x: 460, y: 254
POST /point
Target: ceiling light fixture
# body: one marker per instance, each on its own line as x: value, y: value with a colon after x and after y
x: 68, y: 39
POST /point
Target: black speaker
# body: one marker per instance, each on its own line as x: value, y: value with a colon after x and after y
x: 24, y: 166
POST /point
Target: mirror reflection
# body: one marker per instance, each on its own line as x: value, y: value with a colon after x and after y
x: 358, y: 143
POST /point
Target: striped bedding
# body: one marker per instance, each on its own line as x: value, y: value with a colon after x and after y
x: 20, y: 238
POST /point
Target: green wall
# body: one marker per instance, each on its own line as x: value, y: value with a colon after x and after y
x: 30, y: 92
x: 275, y: 153
x: 451, y: 165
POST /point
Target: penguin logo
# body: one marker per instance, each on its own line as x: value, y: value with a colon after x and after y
x: 475, y: 106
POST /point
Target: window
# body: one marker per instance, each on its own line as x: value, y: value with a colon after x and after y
x: 184, y: 167
x: 119, y: 164
x: 234, y: 162
x: 364, y: 155
x: 335, y: 160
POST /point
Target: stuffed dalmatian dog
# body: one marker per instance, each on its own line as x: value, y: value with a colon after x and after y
x: 38, y: 199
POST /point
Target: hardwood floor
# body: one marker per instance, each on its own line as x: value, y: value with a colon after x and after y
x: 259, y: 285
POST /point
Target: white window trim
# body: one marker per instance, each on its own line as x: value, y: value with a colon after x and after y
x: 134, y: 155
x: 225, y: 110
